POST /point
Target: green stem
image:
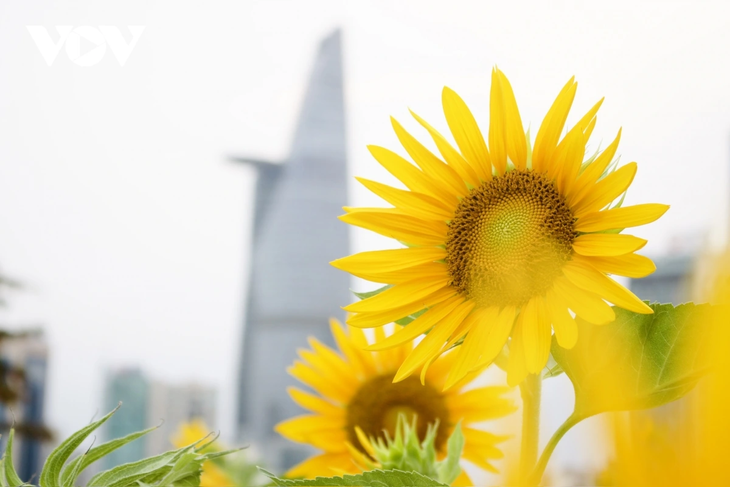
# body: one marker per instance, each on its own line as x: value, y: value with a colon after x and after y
x: 530, y: 390
x: 537, y: 473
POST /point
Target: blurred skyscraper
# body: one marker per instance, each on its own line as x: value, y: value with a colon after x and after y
x: 131, y: 387
x: 24, y: 360
x: 670, y: 283
x: 293, y: 290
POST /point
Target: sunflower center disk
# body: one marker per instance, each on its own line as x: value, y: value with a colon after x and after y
x: 376, y: 405
x: 509, y: 239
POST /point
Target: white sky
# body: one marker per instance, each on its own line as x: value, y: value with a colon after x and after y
x: 130, y: 229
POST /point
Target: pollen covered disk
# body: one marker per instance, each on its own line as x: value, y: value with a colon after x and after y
x: 509, y: 239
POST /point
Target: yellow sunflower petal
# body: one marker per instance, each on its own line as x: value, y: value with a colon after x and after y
x: 361, y: 361
x: 466, y: 133
x: 607, y: 190
x: 516, y: 366
x: 409, y: 202
x: 551, y: 128
x: 324, y: 464
x: 630, y: 265
x: 589, y: 176
x: 566, y: 329
x: 607, y: 244
x: 506, y: 135
x: 587, y: 305
x: 323, y: 385
x: 535, y: 334
x: 389, y: 260
x: 451, y: 155
x: 477, y: 325
x: 397, y: 225
x: 303, y: 428
x: 378, y: 318
x: 498, y: 334
x: 567, y: 159
x: 410, y: 175
x: 316, y: 404
x: 429, y: 163
x: 629, y: 216
x: 431, y: 270
x: 432, y: 343
x: 585, y: 276
x: 398, y: 295
x: 481, y: 404
x: 420, y: 325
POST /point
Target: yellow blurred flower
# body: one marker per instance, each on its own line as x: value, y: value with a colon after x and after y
x: 501, y: 240
x: 355, y: 390
x: 213, y: 476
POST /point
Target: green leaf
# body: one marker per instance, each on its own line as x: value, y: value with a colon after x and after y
x: 51, y: 473
x: 373, y: 478
x: 72, y: 470
x: 408, y: 319
x: 638, y: 361
x: 370, y: 294
x: 148, y: 470
x: 8, y: 470
x: 449, y: 469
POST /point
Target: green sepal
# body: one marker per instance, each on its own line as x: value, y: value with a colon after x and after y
x: 370, y: 294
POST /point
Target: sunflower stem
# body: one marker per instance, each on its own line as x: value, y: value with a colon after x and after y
x: 537, y: 473
x: 530, y: 390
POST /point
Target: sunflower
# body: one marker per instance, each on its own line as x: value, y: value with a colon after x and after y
x: 355, y: 390
x: 500, y: 241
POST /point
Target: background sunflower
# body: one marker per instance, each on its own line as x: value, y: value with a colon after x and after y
x: 354, y: 388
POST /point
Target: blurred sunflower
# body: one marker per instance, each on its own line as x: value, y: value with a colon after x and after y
x: 355, y: 389
x: 501, y: 241
x: 188, y: 433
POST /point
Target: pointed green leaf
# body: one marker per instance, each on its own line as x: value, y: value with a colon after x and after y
x: 72, y: 470
x: 51, y: 473
x: 638, y: 361
x: 449, y: 469
x: 373, y: 478
x: 9, y: 473
x: 157, y: 466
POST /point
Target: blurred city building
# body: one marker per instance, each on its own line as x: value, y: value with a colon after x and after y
x: 147, y: 403
x: 23, y: 366
x: 670, y: 283
x: 293, y: 290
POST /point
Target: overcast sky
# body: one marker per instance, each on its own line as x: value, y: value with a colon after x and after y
x: 119, y: 210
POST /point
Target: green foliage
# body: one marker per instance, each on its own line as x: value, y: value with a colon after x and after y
x: 373, y: 478
x: 638, y: 361
x: 370, y: 294
x: 176, y: 468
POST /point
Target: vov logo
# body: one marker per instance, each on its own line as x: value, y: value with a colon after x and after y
x: 95, y: 41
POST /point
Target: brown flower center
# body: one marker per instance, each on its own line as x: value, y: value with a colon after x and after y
x: 376, y: 405
x: 509, y: 239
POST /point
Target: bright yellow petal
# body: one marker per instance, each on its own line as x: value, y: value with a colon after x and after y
x: 398, y: 295
x: 409, y: 202
x: 389, y: 260
x: 606, y: 190
x: 432, y: 343
x: 567, y: 159
x: 630, y: 265
x: 506, y: 135
x: 410, y: 175
x: 316, y: 404
x: 420, y: 325
x: 322, y: 385
x: 607, y: 244
x: 431, y: 270
x: 370, y: 320
x: 551, y: 128
x: 477, y: 325
x: 360, y: 360
x: 451, y: 155
x: 429, y: 163
x: 516, y: 367
x: 397, y: 225
x: 566, y: 329
x: 312, y: 429
x: 589, y: 176
x: 466, y: 133
x: 499, y: 332
x: 587, y: 277
x: 586, y: 305
x: 629, y: 216
x: 481, y: 404
x: 536, y: 334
